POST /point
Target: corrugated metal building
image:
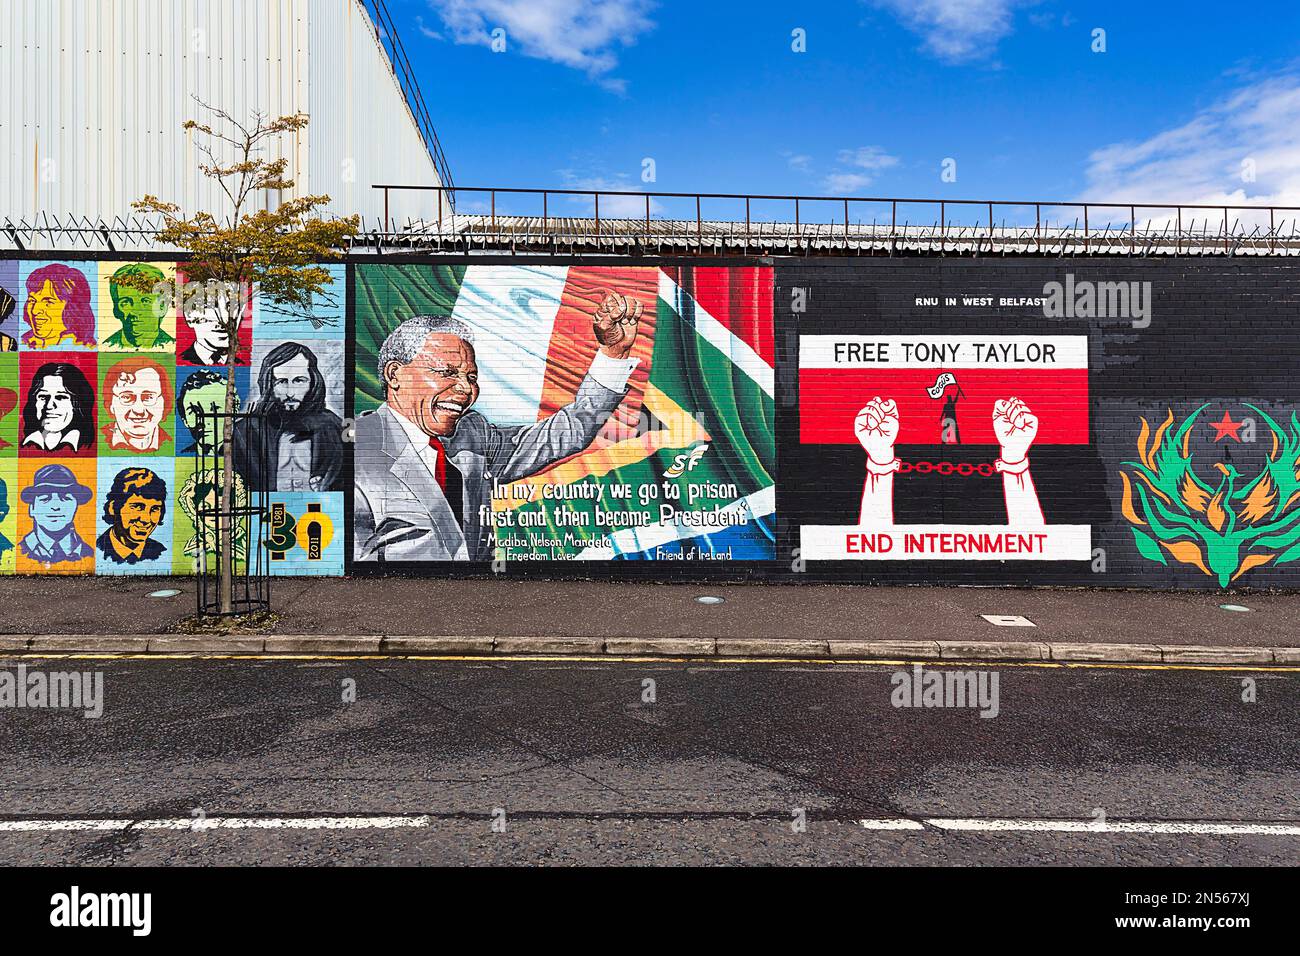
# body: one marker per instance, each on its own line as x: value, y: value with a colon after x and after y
x: 93, y: 94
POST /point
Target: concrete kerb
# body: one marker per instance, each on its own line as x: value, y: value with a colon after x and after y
x: 686, y: 647
x: 98, y: 644
x: 195, y: 644
x: 415, y: 644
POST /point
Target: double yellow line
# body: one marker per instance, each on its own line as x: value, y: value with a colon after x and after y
x: 933, y: 664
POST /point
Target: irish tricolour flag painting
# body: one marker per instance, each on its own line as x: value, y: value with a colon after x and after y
x: 551, y: 412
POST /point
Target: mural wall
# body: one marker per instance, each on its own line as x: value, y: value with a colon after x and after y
x: 1075, y: 422
x: 591, y: 413
x: 100, y: 444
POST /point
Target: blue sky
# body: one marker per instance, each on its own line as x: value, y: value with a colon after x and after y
x: 1194, y: 101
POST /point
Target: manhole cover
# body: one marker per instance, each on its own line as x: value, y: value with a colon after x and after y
x: 164, y: 593
x: 1233, y: 607
x: 710, y: 599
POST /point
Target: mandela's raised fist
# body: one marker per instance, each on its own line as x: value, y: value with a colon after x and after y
x: 615, y: 323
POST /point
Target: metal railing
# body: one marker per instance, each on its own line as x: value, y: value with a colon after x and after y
x: 578, y: 222
x: 240, y: 527
x: 391, y: 41
x: 803, y: 223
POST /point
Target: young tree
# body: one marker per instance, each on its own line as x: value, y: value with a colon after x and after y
x: 259, y: 245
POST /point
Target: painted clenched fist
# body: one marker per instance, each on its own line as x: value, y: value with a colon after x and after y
x: 1016, y: 427
x: 615, y: 323
x: 877, y: 429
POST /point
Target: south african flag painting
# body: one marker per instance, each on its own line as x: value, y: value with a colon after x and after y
x: 563, y: 412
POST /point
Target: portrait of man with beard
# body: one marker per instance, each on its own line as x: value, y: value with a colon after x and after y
x: 295, y: 443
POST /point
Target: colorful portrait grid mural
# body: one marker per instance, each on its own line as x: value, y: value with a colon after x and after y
x: 102, y: 372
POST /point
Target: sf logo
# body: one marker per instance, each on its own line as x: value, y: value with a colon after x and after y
x: 313, y: 532
x: 686, y: 461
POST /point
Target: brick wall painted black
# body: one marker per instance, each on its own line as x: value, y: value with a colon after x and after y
x: 1223, y: 333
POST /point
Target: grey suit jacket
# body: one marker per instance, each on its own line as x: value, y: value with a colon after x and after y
x: 402, y: 514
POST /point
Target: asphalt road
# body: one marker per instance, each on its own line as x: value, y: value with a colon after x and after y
x: 574, y: 767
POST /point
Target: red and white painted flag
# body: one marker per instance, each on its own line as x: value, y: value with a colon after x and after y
x: 839, y: 374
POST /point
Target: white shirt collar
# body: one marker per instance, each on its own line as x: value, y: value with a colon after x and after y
x: 413, y: 431
x: 37, y: 438
x: 419, y: 441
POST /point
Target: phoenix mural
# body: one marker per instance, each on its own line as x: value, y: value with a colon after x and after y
x: 1216, y: 519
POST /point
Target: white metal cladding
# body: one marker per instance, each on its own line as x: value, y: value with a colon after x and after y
x: 95, y: 92
x: 370, y: 136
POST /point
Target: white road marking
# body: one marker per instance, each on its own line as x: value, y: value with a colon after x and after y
x: 892, y: 824
x: 1117, y: 826
x: 37, y: 825
x: 28, y: 826
x: 220, y: 823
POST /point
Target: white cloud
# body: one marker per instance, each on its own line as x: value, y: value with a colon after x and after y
x: 854, y: 169
x: 1210, y: 158
x: 955, y: 30
x: 611, y: 207
x: 582, y: 34
x: 841, y: 184
x: 867, y: 157
x: 431, y: 34
x: 1050, y: 19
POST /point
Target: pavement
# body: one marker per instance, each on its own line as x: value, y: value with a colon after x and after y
x: 400, y: 761
x: 403, y: 615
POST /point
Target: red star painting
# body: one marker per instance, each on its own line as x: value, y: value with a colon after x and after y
x: 1226, y: 427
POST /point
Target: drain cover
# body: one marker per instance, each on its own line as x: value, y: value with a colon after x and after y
x: 1008, y: 620
x: 710, y: 599
x: 164, y: 593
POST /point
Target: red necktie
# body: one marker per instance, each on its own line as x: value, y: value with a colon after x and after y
x: 440, y: 469
x: 449, y: 480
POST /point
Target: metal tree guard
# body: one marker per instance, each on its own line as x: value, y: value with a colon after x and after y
x: 244, y: 524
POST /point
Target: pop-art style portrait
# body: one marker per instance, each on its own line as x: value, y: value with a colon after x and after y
x: 134, y: 507
x: 52, y: 501
x: 103, y: 369
x: 6, y: 543
x: 204, y: 389
x: 8, y: 403
x: 8, y: 306
x: 59, y: 412
x: 58, y: 311
x: 202, y: 337
x: 140, y: 310
x: 137, y: 400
